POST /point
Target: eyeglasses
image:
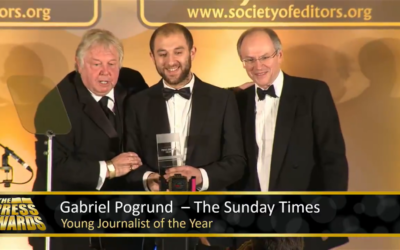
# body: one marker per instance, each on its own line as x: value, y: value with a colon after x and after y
x: 262, y: 59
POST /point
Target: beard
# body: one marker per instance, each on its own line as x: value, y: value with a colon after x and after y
x: 185, y: 71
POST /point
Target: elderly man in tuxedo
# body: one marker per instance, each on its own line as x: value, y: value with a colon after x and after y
x: 292, y: 135
x: 88, y: 155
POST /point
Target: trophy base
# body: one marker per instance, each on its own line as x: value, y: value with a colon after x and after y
x: 177, y: 183
x: 163, y: 184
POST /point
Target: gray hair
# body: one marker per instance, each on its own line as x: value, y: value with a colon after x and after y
x: 98, y: 37
x: 270, y: 32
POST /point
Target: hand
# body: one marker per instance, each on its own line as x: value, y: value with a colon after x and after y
x: 186, y: 171
x: 204, y: 241
x: 125, y: 162
x: 246, y: 85
x: 153, y: 182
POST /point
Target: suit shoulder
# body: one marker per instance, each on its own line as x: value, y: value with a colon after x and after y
x: 60, y: 107
x: 132, y: 80
x: 64, y: 89
x: 142, y: 95
x: 216, y: 89
x: 68, y: 80
x: 309, y: 83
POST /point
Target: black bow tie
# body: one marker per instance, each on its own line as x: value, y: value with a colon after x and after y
x: 184, y: 92
x: 262, y: 93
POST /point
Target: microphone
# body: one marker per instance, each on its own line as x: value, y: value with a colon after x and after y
x: 17, y: 158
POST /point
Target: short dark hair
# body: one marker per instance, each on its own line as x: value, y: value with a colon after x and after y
x: 170, y: 28
x: 271, y: 33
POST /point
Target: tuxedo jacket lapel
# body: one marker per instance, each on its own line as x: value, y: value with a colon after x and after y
x: 250, y: 141
x: 119, y: 96
x: 201, y: 103
x: 93, y: 109
x: 284, y: 124
x: 158, y: 113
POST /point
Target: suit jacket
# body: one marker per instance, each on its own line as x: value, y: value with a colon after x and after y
x: 214, y: 140
x: 91, y: 138
x: 132, y: 80
x: 308, y: 149
x: 83, y: 137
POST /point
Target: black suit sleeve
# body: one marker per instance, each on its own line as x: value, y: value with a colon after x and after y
x: 132, y: 144
x: 330, y: 148
x: 71, y: 169
x: 232, y: 165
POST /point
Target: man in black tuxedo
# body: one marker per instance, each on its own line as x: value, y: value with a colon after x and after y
x: 292, y: 135
x: 90, y: 155
x: 205, y: 117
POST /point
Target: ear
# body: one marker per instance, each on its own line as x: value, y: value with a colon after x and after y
x: 152, y: 56
x: 78, y: 64
x: 243, y: 65
x: 280, y: 56
x: 193, y: 52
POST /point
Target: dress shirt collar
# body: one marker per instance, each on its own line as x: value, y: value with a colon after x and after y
x: 110, y: 95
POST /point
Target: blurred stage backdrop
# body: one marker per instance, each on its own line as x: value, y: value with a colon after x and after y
x: 359, y: 65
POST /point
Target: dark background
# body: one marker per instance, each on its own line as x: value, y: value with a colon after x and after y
x: 339, y: 214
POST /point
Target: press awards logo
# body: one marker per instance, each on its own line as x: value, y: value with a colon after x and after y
x: 19, y: 214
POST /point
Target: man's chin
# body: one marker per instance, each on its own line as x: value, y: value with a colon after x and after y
x: 263, y: 84
x: 103, y: 90
x: 173, y: 82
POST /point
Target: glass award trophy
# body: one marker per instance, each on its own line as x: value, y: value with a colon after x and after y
x: 169, y: 153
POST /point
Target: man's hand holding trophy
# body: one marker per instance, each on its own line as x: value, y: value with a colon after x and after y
x: 173, y: 174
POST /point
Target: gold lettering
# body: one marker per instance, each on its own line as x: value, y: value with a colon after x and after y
x: 11, y: 224
x: 309, y: 11
x: 3, y: 222
x: 5, y: 200
x: 200, y: 224
x: 6, y: 209
x: 22, y: 210
x: 16, y: 200
x: 30, y: 222
x: 39, y: 223
x: 32, y: 209
x: 14, y: 209
x: 27, y: 200
x: 21, y: 223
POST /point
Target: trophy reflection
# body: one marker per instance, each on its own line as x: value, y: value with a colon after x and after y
x: 170, y: 154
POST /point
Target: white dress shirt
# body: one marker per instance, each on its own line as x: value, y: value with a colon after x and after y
x: 103, y: 165
x: 179, y: 113
x: 266, y: 113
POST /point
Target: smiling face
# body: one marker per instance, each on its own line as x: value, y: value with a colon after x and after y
x: 100, y: 69
x: 173, y: 58
x: 260, y: 58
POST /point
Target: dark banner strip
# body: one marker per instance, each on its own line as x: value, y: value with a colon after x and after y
x: 49, y: 13
x: 274, y: 13
x: 199, y: 214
